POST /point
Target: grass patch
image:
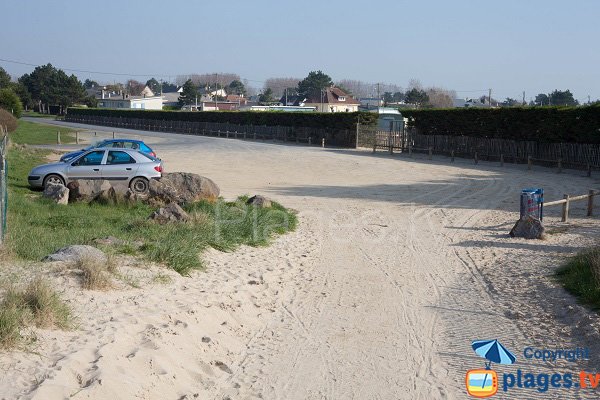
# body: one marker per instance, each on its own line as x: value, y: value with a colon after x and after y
x: 38, y: 227
x: 35, y: 304
x: 34, y: 133
x: 34, y: 114
x: 581, y: 277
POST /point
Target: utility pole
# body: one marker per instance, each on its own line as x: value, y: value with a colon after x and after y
x: 216, y: 90
x: 490, y: 97
x: 378, y: 97
x: 286, y: 101
x: 523, y: 97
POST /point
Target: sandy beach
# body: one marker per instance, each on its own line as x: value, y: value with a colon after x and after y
x: 398, y: 264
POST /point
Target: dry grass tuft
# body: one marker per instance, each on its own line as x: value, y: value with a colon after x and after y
x: 95, y: 273
x: 35, y: 304
x: 45, y: 304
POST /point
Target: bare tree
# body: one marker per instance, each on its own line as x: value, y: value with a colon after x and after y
x: 221, y: 79
x: 134, y: 88
x: 414, y: 83
x: 367, y: 89
x: 440, y: 98
x: 279, y: 85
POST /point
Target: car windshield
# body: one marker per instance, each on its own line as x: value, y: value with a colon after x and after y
x: 95, y: 145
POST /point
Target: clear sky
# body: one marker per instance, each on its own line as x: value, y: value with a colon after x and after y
x: 510, y: 46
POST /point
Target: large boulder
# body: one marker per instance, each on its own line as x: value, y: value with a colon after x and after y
x: 170, y: 213
x: 528, y: 228
x: 259, y: 201
x: 76, y: 253
x: 57, y: 192
x: 181, y: 188
x: 87, y: 190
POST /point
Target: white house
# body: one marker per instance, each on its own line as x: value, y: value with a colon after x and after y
x: 132, y: 102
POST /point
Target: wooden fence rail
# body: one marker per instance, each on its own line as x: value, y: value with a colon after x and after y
x: 579, y: 156
x: 567, y: 199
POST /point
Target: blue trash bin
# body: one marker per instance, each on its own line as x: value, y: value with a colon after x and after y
x: 532, y: 203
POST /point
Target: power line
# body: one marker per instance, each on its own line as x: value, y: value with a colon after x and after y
x: 85, y: 71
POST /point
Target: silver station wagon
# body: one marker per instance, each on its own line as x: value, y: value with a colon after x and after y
x: 123, y: 166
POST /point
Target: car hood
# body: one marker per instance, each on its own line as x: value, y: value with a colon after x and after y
x: 52, y: 167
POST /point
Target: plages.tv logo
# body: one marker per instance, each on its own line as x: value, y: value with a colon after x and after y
x: 483, y: 382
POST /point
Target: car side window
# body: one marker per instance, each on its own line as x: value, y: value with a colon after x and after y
x: 145, y: 148
x: 93, y: 158
x: 118, y: 145
x: 119, y: 157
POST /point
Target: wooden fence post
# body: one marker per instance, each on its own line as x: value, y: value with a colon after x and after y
x: 452, y: 155
x: 502, y: 160
x: 590, y: 207
x: 589, y: 169
x: 391, y: 143
x: 113, y: 134
x: 430, y: 152
x: 529, y: 163
x: 57, y: 137
x: 409, y: 149
x: 559, y: 165
x: 565, y: 209
x: 323, y: 142
x: 375, y: 143
x: 77, y: 137
x: 310, y: 140
x: 475, y: 158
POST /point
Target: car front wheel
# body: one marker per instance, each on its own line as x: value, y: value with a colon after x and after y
x: 53, y: 179
x: 139, y: 185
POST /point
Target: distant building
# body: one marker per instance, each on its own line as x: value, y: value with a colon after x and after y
x: 279, y: 108
x: 333, y: 100
x: 234, y: 98
x: 211, y: 106
x: 132, y: 102
x: 370, y: 103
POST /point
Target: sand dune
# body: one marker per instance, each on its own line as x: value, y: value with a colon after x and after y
x: 396, y: 266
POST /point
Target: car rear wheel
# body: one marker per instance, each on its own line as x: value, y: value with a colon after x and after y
x: 139, y: 185
x: 53, y: 179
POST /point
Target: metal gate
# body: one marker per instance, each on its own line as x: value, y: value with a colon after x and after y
x: 377, y: 139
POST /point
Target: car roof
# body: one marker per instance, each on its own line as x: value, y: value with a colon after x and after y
x: 123, y: 140
x: 112, y: 149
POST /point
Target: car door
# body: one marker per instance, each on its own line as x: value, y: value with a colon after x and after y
x: 119, y: 166
x: 87, y: 166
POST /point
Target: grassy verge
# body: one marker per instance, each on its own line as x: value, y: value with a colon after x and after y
x: 38, y: 227
x: 34, y: 114
x: 34, y: 133
x: 581, y: 277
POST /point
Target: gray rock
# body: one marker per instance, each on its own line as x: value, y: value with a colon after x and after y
x: 181, y: 188
x: 87, y: 190
x: 57, y: 192
x: 75, y: 253
x: 170, y: 213
x: 528, y: 228
x: 206, y: 339
x: 259, y: 201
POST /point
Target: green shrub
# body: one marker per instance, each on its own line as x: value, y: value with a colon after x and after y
x: 305, y: 119
x: 541, y: 124
x: 11, y: 102
x: 581, y: 277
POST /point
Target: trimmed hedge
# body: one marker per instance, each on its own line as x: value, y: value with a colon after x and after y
x: 540, y: 124
x: 269, y: 118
